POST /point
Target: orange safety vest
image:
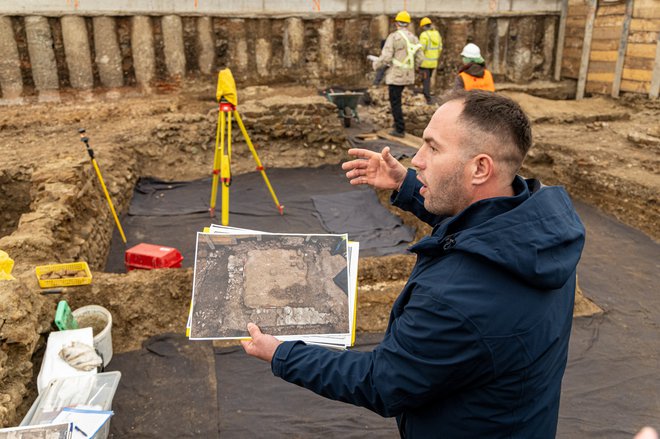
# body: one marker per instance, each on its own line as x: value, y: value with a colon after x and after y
x: 472, y: 82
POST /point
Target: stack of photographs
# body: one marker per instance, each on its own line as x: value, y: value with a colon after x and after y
x: 293, y: 286
x: 51, y: 431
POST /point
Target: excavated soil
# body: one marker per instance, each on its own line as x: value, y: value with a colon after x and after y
x: 52, y: 209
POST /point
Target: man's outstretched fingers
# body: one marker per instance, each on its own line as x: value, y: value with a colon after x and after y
x: 388, y: 157
x: 361, y: 153
x: 354, y: 164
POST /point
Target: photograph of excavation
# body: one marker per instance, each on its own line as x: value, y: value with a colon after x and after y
x: 286, y: 284
x: 140, y: 78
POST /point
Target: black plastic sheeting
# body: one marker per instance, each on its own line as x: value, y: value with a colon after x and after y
x: 360, y: 214
x: 612, y: 383
x: 168, y: 389
x: 176, y: 388
x: 611, y: 387
x: 397, y: 150
x: 170, y: 213
x: 255, y: 404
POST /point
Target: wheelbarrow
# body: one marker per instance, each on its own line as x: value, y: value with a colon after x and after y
x: 346, y: 103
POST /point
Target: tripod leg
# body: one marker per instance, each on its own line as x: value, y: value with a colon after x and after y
x: 259, y: 165
x: 225, y: 174
x: 217, y: 159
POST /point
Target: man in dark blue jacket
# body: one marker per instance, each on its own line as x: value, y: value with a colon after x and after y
x: 477, y: 342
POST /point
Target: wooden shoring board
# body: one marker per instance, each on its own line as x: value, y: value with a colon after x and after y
x: 623, y: 45
x: 408, y: 140
x: 654, y: 89
x: 586, y: 49
x: 367, y: 136
x: 560, y: 39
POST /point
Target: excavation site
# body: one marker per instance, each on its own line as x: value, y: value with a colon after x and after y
x: 123, y: 154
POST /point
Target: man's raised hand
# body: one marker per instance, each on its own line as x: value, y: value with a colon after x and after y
x: 380, y: 170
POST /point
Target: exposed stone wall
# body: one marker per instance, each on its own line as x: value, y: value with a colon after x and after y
x: 24, y: 317
x: 293, y: 119
x: 301, y: 131
x: 68, y: 207
x: 50, y: 54
x: 416, y: 112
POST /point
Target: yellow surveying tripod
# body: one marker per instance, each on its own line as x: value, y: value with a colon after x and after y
x: 227, y: 101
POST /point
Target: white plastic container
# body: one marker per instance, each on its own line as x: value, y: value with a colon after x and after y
x: 91, y: 391
x: 101, y: 322
x: 53, y: 366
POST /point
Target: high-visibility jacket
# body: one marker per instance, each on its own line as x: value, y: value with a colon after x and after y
x: 431, y: 42
x: 411, y: 47
x: 396, y: 55
x: 474, y: 82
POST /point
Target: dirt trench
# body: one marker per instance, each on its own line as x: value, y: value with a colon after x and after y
x: 604, y: 151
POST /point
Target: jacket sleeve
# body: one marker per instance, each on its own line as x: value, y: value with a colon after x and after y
x: 386, y: 54
x: 424, y: 40
x: 419, y: 56
x: 429, y: 350
x: 409, y: 199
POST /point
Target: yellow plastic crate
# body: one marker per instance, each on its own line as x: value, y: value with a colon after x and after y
x: 65, y: 282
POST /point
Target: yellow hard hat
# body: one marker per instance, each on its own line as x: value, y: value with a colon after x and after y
x: 403, y: 17
x: 424, y: 21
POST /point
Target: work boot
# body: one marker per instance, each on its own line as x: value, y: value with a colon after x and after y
x: 396, y: 133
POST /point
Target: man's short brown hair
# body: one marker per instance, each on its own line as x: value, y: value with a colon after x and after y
x: 492, y: 115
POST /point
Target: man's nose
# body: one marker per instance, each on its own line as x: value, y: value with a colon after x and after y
x: 417, y: 159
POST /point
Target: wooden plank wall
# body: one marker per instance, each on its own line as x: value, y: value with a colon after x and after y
x: 575, y: 22
x: 640, y: 52
x: 605, y: 47
x: 642, y: 42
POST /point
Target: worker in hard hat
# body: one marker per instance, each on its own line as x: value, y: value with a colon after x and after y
x: 431, y: 42
x: 474, y: 74
x: 401, y: 52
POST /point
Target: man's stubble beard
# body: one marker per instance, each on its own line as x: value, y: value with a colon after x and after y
x: 449, y: 197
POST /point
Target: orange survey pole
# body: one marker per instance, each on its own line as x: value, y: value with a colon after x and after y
x: 90, y: 151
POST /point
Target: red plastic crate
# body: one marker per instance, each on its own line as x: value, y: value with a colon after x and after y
x: 150, y: 256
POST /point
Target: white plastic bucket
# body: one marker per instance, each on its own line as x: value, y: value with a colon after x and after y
x: 102, y: 328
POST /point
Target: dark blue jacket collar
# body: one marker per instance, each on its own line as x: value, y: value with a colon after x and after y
x: 535, y: 234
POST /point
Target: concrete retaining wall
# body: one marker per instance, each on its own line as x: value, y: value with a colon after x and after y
x: 273, y: 7
x: 83, y: 52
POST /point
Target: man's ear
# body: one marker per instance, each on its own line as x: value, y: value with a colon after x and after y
x: 482, y: 169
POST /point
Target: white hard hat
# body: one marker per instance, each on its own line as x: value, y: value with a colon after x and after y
x: 471, y: 50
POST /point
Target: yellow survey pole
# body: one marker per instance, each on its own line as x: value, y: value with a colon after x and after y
x: 217, y: 157
x: 90, y: 151
x: 225, y: 174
